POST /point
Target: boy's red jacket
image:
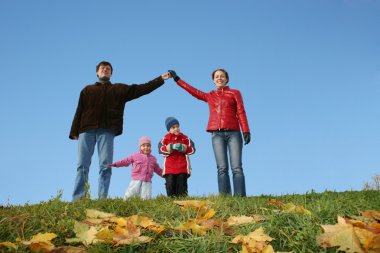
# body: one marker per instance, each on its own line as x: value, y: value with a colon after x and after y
x: 176, y: 162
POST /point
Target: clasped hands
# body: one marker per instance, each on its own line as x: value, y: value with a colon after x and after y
x: 176, y: 146
x: 170, y: 74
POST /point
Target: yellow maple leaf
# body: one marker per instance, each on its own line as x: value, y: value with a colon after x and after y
x: 259, y: 235
x: 292, y: 208
x: 105, y: 235
x: 128, y: 235
x: 157, y: 228
x: 92, y: 213
x: 122, y: 222
x: 131, y: 230
x: 85, y: 234
x: 340, y: 235
x: 233, y: 220
x: 41, y: 242
x: 205, y: 216
x: 147, y: 223
x: 288, y: 207
x: 196, y: 204
x: 193, y: 226
x: 142, y: 221
x: 8, y: 246
x: 256, y: 241
x: 268, y: 249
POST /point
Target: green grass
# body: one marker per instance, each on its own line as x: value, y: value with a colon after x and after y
x: 292, y: 232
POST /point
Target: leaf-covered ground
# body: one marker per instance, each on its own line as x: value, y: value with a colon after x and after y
x: 314, y: 222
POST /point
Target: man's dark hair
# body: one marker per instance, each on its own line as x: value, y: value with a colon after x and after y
x: 104, y: 63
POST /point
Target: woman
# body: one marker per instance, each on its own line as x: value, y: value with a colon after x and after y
x: 227, y: 116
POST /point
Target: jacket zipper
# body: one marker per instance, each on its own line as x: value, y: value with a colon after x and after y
x: 148, y: 167
x: 220, y: 108
x: 104, y: 116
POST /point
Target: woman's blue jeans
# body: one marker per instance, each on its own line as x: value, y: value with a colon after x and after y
x: 103, y: 138
x: 231, y: 141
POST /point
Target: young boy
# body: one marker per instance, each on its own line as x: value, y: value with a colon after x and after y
x: 176, y: 147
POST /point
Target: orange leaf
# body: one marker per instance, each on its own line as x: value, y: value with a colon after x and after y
x: 371, y: 214
x: 237, y: 239
x: 131, y: 230
x: 8, y: 246
x: 209, y: 224
x: 120, y: 240
x: 273, y: 202
x: 158, y: 229
x: 69, y: 249
x: 41, y: 242
x: 368, y: 240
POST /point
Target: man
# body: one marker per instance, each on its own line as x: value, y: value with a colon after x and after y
x: 98, y: 119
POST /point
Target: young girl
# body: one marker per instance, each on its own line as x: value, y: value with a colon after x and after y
x: 143, y: 166
x: 176, y: 147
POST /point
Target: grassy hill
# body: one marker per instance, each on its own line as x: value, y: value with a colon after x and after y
x: 292, y: 230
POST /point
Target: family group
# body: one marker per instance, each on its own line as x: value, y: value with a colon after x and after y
x: 99, y: 119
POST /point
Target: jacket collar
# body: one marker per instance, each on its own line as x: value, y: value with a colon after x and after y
x: 224, y: 88
x: 106, y: 83
x: 173, y: 136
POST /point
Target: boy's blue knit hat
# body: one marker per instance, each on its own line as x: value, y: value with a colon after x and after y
x: 170, y: 121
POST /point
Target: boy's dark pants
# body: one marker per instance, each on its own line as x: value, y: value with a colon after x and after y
x: 176, y: 184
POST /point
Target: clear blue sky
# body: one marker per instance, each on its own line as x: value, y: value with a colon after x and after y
x: 309, y: 72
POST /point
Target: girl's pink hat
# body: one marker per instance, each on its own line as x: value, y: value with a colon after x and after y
x: 144, y: 140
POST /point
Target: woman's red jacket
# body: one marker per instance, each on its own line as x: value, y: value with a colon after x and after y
x: 226, y: 108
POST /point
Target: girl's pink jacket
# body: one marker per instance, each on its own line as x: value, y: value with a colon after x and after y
x: 143, y: 166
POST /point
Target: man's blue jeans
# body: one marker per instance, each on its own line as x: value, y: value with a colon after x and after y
x: 103, y: 138
x: 231, y: 141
